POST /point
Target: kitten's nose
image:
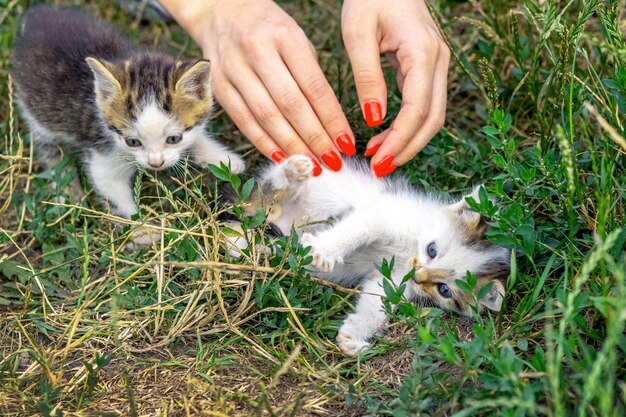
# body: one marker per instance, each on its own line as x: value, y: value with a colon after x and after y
x: 156, y: 160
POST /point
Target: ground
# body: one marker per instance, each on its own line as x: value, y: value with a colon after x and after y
x: 535, y: 112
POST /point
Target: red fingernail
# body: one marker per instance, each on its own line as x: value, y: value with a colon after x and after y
x: 317, y: 169
x: 371, y: 151
x: 345, y: 144
x: 385, y: 171
x: 332, y: 160
x: 373, y: 113
x: 381, y: 168
x: 278, y: 156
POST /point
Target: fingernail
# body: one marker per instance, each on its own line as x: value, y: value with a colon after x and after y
x: 317, y: 169
x: 385, y: 166
x: 278, y: 156
x: 373, y: 113
x: 345, y: 144
x: 386, y: 171
x: 332, y: 160
x: 371, y: 151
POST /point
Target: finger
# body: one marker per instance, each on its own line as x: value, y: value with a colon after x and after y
x: 374, y: 144
x: 233, y: 103
x: 416, y: 102
x: 265, y: 112
x: 297, y: 110
x: 320, y: 96
x: 364, y: 53
x: 437, y: 115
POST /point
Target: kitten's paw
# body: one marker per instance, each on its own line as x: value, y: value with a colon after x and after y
x: 235, y: 245
x: 349, y: 344
x: 298, y: 168
x: 74, y: 191
x: 142, y: 238
x: 353, y: 335
x: 237, y: 164
x: 323, y: 259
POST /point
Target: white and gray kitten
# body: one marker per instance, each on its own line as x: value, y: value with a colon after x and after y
x: 352, y: 220
x: 81, y: 86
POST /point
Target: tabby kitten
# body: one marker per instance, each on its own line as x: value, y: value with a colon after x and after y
x: 81, y: 86
x: 352, y: 220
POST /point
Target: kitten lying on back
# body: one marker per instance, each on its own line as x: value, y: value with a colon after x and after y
x: 82, y: 86
x: 371, y: 219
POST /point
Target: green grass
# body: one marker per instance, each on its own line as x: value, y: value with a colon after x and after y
x: 537, y: 97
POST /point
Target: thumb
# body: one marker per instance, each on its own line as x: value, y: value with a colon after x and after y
x: 362, y: 47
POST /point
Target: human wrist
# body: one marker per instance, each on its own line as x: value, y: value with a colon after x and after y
x: 192, y: 15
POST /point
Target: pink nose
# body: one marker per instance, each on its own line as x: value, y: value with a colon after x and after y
x: 159, y: 165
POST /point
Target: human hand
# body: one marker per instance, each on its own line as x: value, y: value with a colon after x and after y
x: 266, y: 77
x: 406, y: 32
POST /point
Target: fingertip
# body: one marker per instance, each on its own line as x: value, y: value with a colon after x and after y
x: 317, y: 168
x: 346, y: 144
x: 386, y: 171
x: 278, y: 156
x: 373, y: 113
x: 381, y: 153
x: 372, y: 150
x: 385, y: 166
x: 332, y: 160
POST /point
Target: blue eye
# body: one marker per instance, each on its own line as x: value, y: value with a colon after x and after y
x: 444, y: 290
x: 174, y: 139
x: 133, y: 142
x: 431, y: 250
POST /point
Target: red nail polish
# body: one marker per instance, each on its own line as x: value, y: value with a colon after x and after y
x: 345, y: 144
x: 373, y: 113
x: 381, y: 167
x: 386, y: 171
x: 317, y: 169
x: 278, y: 156
x: 332, y: 160
x: 371, y: 151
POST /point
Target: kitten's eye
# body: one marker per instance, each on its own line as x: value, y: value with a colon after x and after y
x: 431, y: 250
x: 444, y: 290
x: 133, y: 142
x: 174, y: 139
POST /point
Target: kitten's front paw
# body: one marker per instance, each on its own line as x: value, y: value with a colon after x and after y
x: 142, y: 238
x: 323, y: 259
x: 74, y: 191
x: 298, y: 168
x: 237, y: 164
x: 349, y: 338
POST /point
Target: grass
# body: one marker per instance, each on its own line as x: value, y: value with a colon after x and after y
x: 537, y: 96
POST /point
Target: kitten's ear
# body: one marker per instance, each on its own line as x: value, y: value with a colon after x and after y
x: 493, y: 299
x: 106, y: 85
x: 461, y: 210
x: 196, y: 81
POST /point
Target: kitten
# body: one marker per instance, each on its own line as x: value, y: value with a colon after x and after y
x: 81, y: 86
x: 352, y: 220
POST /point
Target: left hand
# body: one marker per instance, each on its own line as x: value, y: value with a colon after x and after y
x: 406, y: 32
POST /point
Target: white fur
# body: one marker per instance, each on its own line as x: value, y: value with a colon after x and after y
x: 110, y: 175
x: 154, y: 126
x: 375, y: 219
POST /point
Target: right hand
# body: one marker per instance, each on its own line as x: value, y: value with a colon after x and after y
x: 266, y: 76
